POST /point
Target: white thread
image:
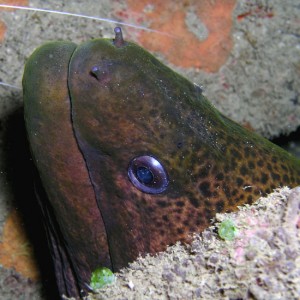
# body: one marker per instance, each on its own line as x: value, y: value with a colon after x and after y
x: 85, y: 16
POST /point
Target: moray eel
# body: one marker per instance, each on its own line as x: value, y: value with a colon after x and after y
x: 132, y: 157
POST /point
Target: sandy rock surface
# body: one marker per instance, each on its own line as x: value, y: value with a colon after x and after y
x: 262, y: 262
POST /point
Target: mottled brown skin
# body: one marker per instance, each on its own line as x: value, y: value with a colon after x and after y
x: 137, y: 106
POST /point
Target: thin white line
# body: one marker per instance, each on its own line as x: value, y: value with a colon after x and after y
x: 10, y: 85
x: 85, y: 16
x: 80, y: 16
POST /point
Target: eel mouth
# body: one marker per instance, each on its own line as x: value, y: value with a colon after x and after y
x: 72, y: 279
x: 64, y: 273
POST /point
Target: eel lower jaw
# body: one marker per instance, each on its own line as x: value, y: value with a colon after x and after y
x: 66, y: 279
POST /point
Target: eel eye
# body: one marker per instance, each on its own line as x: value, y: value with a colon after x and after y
x: 148, y: 175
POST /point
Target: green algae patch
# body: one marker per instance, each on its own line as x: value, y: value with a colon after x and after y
x: 102, y: 277
x: 227, y: 230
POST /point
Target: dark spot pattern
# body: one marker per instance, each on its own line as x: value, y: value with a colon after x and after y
x: 165, y: 218
x: 275, y: 176
x: 203, y: 173
x: 260, y: 163
x: 264, y: 178
x: 285, y: 178
x: 220, y: 206
x: 220, y: 176
x: 204, y: 188
x: 251, y: 165
x: 239, y: 181
x: 235, y: 154
x: 180, y: 203
x: 194, y: 202
x: 162, y: 204
x: 243, y: 170
x: 249, y: 199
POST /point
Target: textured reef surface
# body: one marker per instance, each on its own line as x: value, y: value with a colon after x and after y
x: 262, y: 262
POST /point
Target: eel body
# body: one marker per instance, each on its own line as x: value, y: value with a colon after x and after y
x: 132, y: 157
